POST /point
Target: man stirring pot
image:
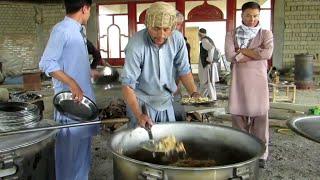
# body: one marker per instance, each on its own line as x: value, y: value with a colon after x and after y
x: 153, y: 57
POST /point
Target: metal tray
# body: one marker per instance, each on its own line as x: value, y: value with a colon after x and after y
x: 208, y: 103
x: 204, y: 103
x: 85, y: 110
x: 308, y: 127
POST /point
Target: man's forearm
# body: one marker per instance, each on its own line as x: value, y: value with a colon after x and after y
x: 188, y: 82
x: 131, y: 100
x: 63, y: 77
x: 250, y: 53
x: 75, y: 89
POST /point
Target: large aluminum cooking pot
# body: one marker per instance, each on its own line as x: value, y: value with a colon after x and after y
x: 236, y: 153
x: 27, y: 156
x: 307, y: 126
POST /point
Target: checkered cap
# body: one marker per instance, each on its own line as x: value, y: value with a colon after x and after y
x: 161, y: 14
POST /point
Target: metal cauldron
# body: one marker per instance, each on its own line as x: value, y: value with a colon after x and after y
x: 28, y: 156
x: 25, y: 156
x: 308, y: 127
x: 235, y: 152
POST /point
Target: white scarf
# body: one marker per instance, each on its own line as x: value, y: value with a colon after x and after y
x: 244, y: 34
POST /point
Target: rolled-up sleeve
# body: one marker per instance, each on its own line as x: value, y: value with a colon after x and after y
x: 52, y: 53
x: 181, y: 61
x: 131, y: 69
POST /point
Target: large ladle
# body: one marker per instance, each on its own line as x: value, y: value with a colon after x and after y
x: 52, y: 127
x: 85, y: 111
x: 151, y: 145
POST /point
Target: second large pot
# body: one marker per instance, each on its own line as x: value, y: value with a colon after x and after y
x: 235, y: 152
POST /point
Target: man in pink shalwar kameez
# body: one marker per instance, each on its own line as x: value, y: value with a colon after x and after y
x: 248, y: 48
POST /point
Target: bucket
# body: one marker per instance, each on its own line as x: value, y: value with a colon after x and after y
x: 32, y: 81
x: 303, y: 74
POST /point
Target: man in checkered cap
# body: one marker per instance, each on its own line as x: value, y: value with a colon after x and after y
x: 155, y: 56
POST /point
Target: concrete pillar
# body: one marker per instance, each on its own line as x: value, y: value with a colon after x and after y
x: 92, y: 26
x: 278, y: 30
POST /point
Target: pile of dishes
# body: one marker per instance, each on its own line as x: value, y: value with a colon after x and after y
x: 24, y: 96
x: 18, y: 115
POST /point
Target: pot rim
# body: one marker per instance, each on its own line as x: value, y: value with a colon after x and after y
x: 33, y: 138
x: 292, y: 124
x: 158, y: 166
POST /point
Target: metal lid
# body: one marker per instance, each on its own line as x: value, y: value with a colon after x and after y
x: 81, y: 111
x: 18, y: 115
x: 307, y: 127
x: 17, y: 141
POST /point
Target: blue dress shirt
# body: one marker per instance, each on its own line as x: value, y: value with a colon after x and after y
x: 151, y: 70
x: 66, y: 50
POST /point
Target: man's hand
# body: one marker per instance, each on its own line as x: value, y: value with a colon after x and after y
x: 195, y: 95
x: 250, y: 53
x: 145, y: 121
x: 76, y: 91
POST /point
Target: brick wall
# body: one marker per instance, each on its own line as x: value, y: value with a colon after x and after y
x: 24, y: 30
x: 53, y: 13
x: 17, y: 34
x: 302, y: 29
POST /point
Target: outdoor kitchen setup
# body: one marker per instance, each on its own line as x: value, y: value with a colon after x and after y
x: 27, y: 140
x: 25, y: 156
x: 159, y: 90
x: 25, y: 145
x: 212, y: 151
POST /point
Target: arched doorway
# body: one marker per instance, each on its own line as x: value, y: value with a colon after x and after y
x: 209, y: 16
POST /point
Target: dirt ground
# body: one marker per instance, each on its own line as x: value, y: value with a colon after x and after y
x: 291, y: 157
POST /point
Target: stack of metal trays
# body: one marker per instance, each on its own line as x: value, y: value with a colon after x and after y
x: 18, y: 115
x: 21, y: 96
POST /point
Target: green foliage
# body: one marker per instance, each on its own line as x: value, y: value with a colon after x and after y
x: 315, y: 110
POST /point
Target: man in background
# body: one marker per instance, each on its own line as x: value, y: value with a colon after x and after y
x: 96, y: 60
x: 179, y: 21
x: 96, y: 55
x: 208, y: 70
x: 188, y: 49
